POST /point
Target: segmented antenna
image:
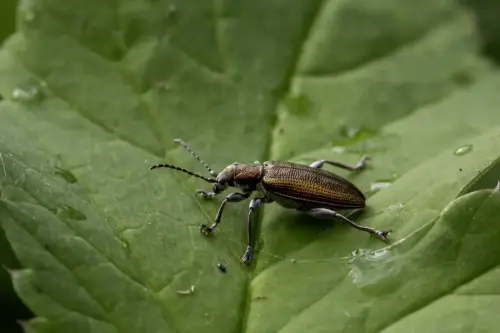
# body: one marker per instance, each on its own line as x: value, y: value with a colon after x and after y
x: 163, y: 165
x: 210, y: 170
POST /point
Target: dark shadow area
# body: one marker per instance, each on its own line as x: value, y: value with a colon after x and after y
x: 13, y: 310
x: 7, y: 18
x: 487, y: 12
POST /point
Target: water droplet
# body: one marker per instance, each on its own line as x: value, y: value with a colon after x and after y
x: 172, y: 11
x: 163, y: 85
x: 122, y: 242
x: 28, y: 93
x: 298, y: 105
x: 497, y: 187
x: 339, y: 150
x: 371, y: 267
x: 27, y: 9
x: 463, y: 150
x: 362, y: 140
x: 378, y: 185
x: 29, y: 16
x: 68, y: 212
x: 66, y: 175
x: 393, y: 208
x: 172, y: 8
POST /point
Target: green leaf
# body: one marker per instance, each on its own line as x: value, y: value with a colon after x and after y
x: 95, y: 91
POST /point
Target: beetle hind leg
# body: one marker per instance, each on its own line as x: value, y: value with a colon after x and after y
x: 323, y: 213
x: 359, y: 166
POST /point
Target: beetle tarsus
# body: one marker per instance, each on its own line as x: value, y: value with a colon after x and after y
x: 362, y: 162
x: 247, y: 257
x: 206, y: 230
x: 383, y: 234
x: 206, y: 195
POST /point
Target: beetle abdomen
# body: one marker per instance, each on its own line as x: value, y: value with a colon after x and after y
x: 312, y: 186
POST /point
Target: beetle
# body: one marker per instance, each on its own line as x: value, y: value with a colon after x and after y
x: 305, y: 188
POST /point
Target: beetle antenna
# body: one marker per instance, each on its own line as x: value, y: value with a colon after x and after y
x: 210, y: 170
x: 163, y: 165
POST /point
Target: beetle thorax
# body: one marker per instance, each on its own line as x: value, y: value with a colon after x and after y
x: 243, y: 176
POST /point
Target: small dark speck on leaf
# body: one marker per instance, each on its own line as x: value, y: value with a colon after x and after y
x: 460, y: 169
x: 463, y: 78
x: 281, y: 130
x: 259, y: 298
x: 293, y: 261
x: 222, y: 268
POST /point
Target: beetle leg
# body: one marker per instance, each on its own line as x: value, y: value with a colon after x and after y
x: 324, y: 213
x: 233, y: 197
x: 217, y: 189
x: 360, y: 165
x: 254, y: 204
x: 206, y: 194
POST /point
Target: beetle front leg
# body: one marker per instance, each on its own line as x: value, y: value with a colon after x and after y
x: 360, y: 165
x: 233, y: 197
x: 254, y: 204
x: 323, y: 213
x: 206, y: 194
x: 217, y: 189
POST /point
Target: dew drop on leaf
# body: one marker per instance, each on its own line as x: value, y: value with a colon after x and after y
x: 378, y: 185
x: 68, y: 212
x: 463, y: 150
x: 363, y: 140
x: 27, y: 10
x: 371, y: 267
x: 29, y: 16
x: 28, y: 93
x: 66, y: 175
x: 393, y: 208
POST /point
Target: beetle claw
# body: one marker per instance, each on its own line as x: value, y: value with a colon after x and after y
x: 383, y: 234
x: 204, y: 194
x: 247, y: 257
x: 206, y: 230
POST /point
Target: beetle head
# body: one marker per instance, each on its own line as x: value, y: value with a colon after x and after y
x: 242, y: 176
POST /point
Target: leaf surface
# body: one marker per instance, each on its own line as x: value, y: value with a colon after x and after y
x: 95, y: 91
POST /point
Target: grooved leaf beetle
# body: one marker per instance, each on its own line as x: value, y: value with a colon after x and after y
x: 306, y: 188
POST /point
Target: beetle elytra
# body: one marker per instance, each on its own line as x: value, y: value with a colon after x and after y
x: 305, y: 188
